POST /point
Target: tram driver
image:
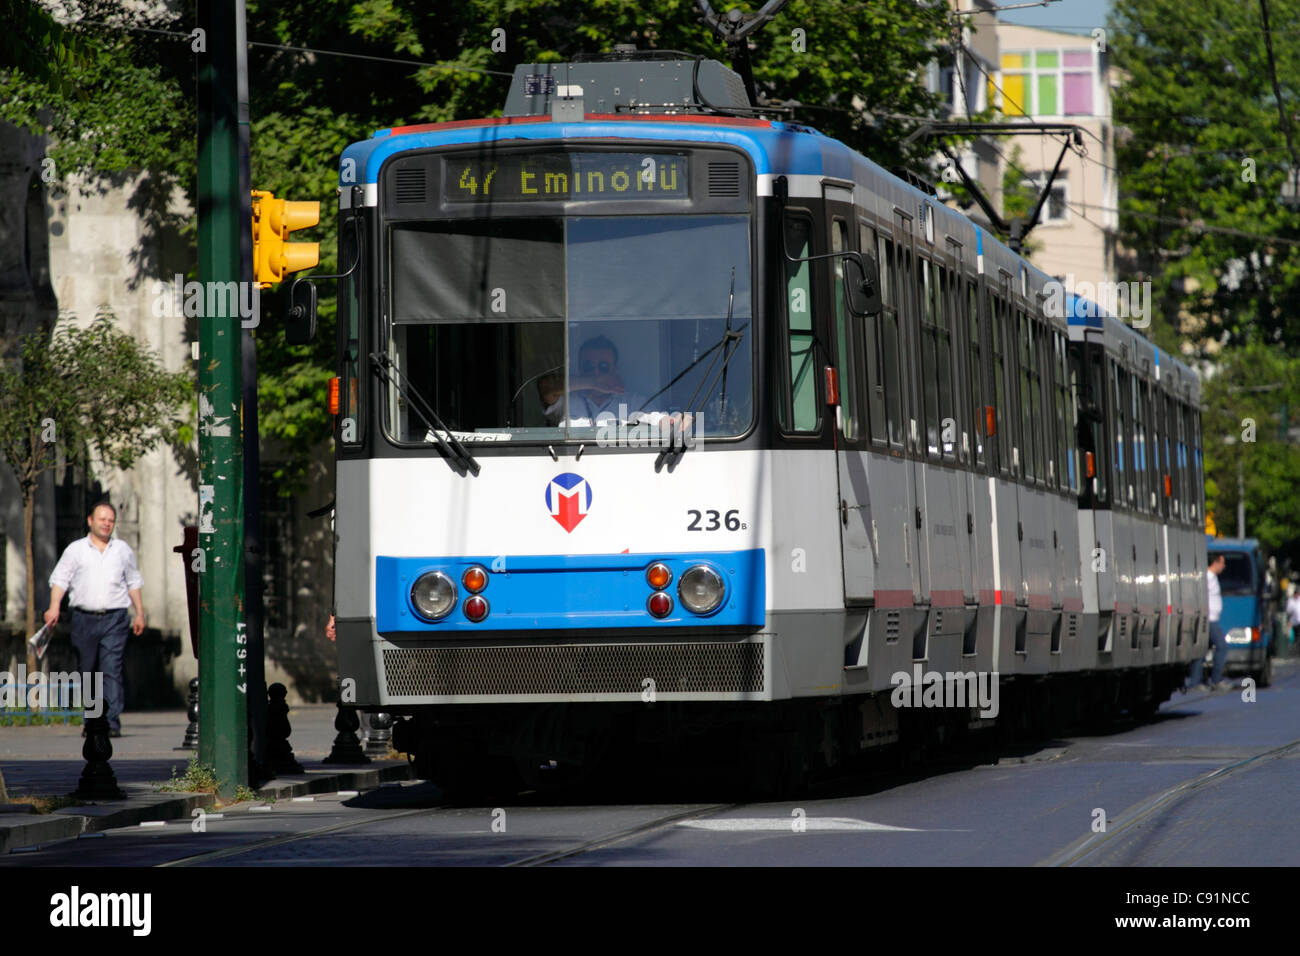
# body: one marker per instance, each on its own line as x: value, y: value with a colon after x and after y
x: 596, y: 394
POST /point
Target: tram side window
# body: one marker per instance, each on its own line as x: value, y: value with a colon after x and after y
x: 1030, y: 432
x: 350, y: 421
x: 889, y: 352
x: 931, y: 370
x: 1180, y: 461
x: 1002, y: 405
x: 1119, y: 431
x: 1139, y: 406
x: 1067, y: 386
x: 800, y: 411
x: 845, y: 337
x: 976, y: 370
x: 1198, y: 475
x: 1064, y: 458
x: 873, y: 379
x: 943, y: 354
x: 1166, y: 446
x: 1098, y: 426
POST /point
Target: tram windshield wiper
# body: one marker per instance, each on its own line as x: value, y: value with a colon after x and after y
x: 729, y: 345
x: 390, y: 374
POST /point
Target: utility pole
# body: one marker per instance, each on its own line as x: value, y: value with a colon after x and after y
x: 223, y: 649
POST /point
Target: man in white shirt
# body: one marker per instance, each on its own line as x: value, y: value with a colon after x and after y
x: 1293, y: 613
x: 100, y: 575
x: 1218, y: 640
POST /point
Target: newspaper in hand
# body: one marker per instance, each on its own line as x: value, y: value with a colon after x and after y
x: 40, y: 640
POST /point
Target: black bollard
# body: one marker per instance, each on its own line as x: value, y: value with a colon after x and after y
x: 191, y: 741
x: 346, y: 748
x: 279, y: 750
x: 381, y: 733
x: 98, y: 782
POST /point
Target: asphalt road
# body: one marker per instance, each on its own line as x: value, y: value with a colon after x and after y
x: 1206, y: 782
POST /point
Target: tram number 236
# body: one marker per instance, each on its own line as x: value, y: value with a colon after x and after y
x: 715, y: 520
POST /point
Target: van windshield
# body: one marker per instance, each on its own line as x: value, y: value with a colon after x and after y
x: 1237, y: 577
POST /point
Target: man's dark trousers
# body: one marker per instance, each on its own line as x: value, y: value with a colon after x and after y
x: 1218, y: 641
x: 100, y: 642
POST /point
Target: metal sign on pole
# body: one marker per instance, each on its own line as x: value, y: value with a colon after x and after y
x: 223, y: 647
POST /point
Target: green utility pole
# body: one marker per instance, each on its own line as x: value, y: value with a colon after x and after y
x: 223, y: 648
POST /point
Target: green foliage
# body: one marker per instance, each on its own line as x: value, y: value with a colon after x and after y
x: 198, y: 778
x: 1270, y: 462
x: 84, y: 392
x: 1197, y: 102
x: 109, y: 99
x: 1019, y: 197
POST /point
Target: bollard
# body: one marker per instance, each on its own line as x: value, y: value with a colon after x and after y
x: 279, y: 751
x: 346, y: 748
x: 191, y: 741
x: 381, y: 732
x: 98, y: 782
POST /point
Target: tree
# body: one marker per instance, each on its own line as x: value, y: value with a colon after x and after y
x: 1202, y: 158
x: 82, y: 395
x: 1248, y: 405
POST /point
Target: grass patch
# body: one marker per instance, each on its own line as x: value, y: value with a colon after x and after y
x: 38, y: 719
x: 48, y: 804
x: 198, y: 778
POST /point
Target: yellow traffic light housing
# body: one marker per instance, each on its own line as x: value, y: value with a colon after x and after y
x: 274, y: 256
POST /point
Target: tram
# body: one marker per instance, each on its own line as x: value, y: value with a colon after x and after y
x: 657, y: 416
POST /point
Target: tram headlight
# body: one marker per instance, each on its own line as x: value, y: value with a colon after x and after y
x: 701, y: 589
x: 433, y: 595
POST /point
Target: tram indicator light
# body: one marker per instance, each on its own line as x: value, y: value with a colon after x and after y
x: 1090, y: 463
x: 474, y: 579
x: 990, y: 421
x: 832, y: 386
x: 334, y: 395
x: 274, y: 256
x: 659, y: 576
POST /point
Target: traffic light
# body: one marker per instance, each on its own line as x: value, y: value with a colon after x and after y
x: 274, y: 257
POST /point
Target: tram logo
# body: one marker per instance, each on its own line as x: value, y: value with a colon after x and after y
x: 568, y: 499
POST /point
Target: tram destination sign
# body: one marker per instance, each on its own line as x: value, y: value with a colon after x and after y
x: 565, y: 177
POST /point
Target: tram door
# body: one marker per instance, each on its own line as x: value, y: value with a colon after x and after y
x: 905, y: 272
x: 848, y: 332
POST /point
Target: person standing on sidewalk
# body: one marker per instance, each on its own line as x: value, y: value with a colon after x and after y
x: 100, y: 574
x: 1218, y: 640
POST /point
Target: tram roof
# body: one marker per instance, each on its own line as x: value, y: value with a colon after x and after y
x: 774, y: 147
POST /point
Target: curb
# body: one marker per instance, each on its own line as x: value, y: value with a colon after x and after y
x: 36, y: 831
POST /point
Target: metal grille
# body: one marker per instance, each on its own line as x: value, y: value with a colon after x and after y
x: 574, y: 669
x: 410, y: 185
x: 724, y: 179
x: 893, y: 621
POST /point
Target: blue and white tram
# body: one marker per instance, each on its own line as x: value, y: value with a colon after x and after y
x: 617, y: 432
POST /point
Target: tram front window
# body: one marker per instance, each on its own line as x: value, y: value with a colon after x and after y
x: 553, y: 329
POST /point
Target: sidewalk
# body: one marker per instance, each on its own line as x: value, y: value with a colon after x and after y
x: 47, y: 761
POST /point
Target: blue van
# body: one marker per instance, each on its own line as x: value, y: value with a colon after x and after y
x: 1246, y: 619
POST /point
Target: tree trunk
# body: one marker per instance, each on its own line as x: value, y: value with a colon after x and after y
x: 29, y: 508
